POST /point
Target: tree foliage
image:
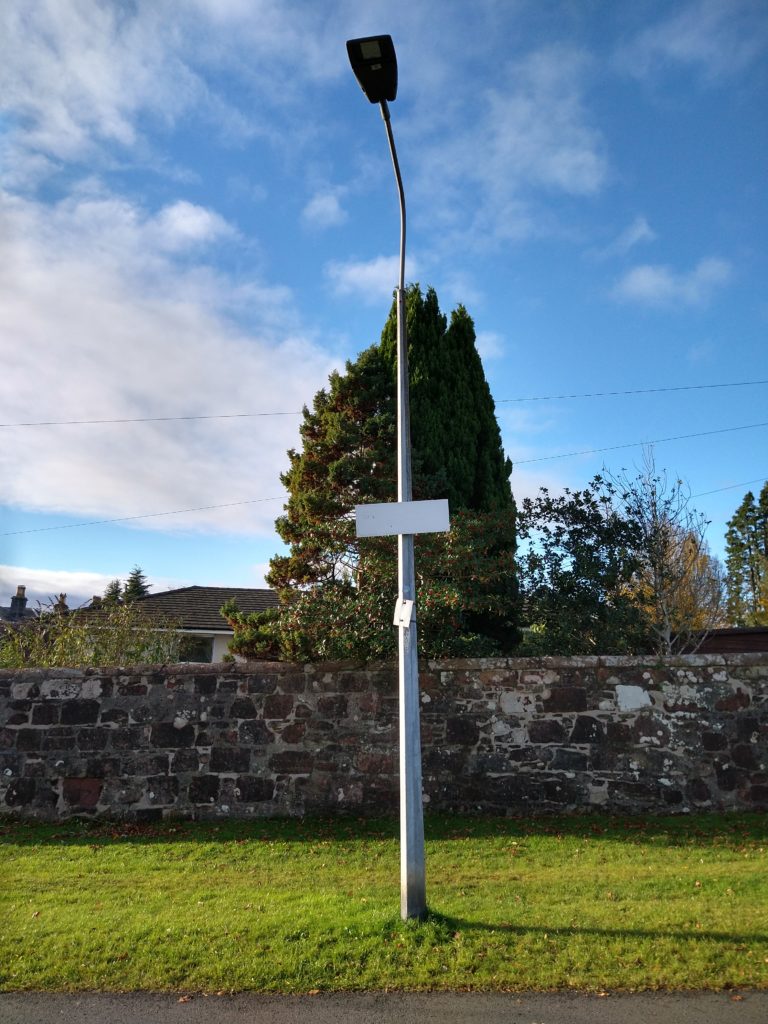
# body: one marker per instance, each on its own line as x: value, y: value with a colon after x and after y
x: 337, y: 592
x: 456, y: 438
x: 576, y: 569
x: 678, y: 585
x: 114, y: 592
x: 746, y: 546
x: 117, y: 634
x: 136, y: 585
x: 619, y: 567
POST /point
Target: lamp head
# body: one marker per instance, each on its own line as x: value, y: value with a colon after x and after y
x: 374, y: 63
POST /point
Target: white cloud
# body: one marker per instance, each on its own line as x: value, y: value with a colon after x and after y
x: 77, y: 73
x: 257, y: 574
x: 183, y: 224
x: 490, y: 345
x: 80, y: 76
x: 719, y: 37
x: 98, y: 321
x: 522, y: 140
x: 45, y: 585
x: 87, y: 82
x: 636, y: 233
x: 324, y: 210
x: 371, y: 280
x: 660, y: 286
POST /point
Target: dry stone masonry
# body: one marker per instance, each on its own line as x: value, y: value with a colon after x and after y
x: 500, y: 736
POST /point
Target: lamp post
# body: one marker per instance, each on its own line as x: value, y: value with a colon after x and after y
x: 374, y: 63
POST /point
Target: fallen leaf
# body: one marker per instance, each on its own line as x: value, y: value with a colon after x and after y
x: 185, y: 999
x: 314, y: 992
x: 737, y: 999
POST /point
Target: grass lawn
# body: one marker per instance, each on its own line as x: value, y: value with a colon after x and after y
x: 295, y: 906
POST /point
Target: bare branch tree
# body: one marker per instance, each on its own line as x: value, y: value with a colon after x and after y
x: 678, y: 582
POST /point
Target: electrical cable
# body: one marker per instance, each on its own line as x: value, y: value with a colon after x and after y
x: 147, y: 515
x: 148, y: 419
x: 638, y: 444
x: 731, y: 487
x: 637, y: 391
x: 253, y: 415
x: 256, y: 501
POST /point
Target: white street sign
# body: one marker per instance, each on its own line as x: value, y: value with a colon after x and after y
x: 402, y: 517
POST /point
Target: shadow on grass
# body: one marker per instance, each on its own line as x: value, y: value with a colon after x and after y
x: 673, y: 831
x: 447, y: 926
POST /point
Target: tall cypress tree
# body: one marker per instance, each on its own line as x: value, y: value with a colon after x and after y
x: 337, y: 591
x: 456, y: 439
x: 746, y: 546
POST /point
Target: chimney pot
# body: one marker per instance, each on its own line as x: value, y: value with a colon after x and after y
x: 19, y: 603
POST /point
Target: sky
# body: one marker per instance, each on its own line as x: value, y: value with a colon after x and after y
x: 199, y: 222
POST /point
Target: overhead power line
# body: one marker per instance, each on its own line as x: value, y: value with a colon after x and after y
x: 256, y: 501
x: 731, y: 487
x: 639, y: 444
x: 147, y: 515
x: 148, y: 419
x: 635, y: 391
x: 254, y: 415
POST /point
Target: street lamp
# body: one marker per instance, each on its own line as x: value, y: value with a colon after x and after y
x: 374, y: 63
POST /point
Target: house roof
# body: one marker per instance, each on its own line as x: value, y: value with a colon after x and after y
x: 9, y: 614
x: 734, y: 640
x: 200, y: 607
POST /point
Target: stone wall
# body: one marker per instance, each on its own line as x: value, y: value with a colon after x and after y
x: 499, y: 736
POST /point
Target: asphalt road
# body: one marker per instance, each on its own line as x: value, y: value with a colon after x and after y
x: 386, y: 1008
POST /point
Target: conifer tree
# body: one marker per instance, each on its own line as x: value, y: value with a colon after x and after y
x: 136, y: 585
x: 337, y: 592
x: 456, y: 438
x: 746, y: 561
x: 113, y: 592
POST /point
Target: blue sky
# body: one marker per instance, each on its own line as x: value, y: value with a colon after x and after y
x: 199, y: 219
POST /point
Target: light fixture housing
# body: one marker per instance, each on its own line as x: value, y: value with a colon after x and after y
x: 374, y: 63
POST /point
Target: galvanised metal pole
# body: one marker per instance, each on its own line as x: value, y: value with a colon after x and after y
x: 413, y: 888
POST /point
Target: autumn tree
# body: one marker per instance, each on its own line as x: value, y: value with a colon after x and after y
x: 337, y: 592
x: 746, y: 560
x: 677, y: 584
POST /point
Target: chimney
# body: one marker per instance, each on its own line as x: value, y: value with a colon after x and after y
x: 19, y: 603
x: 96, y: 601
x: 61, y: 605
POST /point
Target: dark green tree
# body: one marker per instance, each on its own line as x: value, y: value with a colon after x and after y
x: 136, y: 585
x: 576, y: 574
x: 455, y: 434
x: 336, y: 592
x: 746, y: 561
x: 113, y: 593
